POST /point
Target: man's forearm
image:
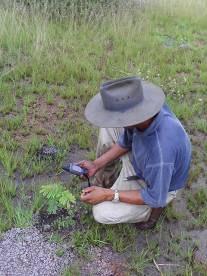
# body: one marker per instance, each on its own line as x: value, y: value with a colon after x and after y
x: 113, y: 153
x: 131, y: 197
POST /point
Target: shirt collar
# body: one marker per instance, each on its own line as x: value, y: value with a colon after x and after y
x: 153, y: 126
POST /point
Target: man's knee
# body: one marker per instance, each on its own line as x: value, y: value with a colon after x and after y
x: 105, y: 139
x: 113, y: 213
x: 109, y: 136
x: 102, y: 213
x: 98, y: 213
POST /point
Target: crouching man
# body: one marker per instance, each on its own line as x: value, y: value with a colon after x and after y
x: 138, y: 128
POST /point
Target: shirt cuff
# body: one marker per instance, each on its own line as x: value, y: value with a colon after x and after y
x: 148, y: 200
x: 122, y: 145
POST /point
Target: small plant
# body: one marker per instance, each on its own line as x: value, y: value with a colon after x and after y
x: 49, y: 98
x: 57, y: 197
x: 55, y: 237
x: 140, y: 261
x: 173, y: 214
x: 60, y: 252
x: 72, y: 270
x: 63, y: 222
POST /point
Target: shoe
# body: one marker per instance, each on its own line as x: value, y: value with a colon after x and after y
x: 154, y: 217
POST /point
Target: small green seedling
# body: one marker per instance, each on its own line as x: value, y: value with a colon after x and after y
x: 57, y: 197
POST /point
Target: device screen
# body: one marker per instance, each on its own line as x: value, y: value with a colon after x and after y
x: 77, y: 168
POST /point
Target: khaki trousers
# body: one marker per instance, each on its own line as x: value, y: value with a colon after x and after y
x: 109, y: 212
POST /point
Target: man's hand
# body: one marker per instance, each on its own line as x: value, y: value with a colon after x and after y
x: 90, y: 166
x: 94, y: 195
x: 93, y: 166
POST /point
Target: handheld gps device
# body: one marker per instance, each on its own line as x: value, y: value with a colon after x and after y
x: 75, y: 169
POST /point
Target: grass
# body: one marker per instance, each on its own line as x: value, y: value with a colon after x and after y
x: 195, y: 173
x: 99, y: 235
x: 201, y: 125
x: 10, y: 214
x: 53, y: 61
x: 8, y: 160
x: 72, y: 270
x: 197, y: 204
x: 140, y: 261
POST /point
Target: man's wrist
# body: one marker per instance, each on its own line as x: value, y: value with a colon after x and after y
x: 97, y: 164
x: 110, y: 194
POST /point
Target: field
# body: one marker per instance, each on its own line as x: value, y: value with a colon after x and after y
x: 52, y: 61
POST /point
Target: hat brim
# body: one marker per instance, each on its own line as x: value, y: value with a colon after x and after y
x: 151, y: 104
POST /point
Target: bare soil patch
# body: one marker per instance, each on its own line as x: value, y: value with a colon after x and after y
x: 45, y: 118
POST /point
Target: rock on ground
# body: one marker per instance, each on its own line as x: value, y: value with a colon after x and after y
x: 25, y: 252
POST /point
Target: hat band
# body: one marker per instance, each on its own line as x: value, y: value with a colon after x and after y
x: 120, y: 104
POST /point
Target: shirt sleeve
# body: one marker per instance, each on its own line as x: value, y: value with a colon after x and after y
x: 125, y: 139
x: 157, y: 178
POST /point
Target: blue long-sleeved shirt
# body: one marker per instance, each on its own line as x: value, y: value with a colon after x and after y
x: 161, y: 156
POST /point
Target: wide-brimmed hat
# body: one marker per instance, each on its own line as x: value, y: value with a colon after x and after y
x: 124, y: 102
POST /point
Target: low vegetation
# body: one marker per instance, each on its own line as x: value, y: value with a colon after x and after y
x: 52, y: 60
x: 56, y: 197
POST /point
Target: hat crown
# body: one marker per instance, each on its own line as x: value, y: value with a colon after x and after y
x: 121, y: 94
